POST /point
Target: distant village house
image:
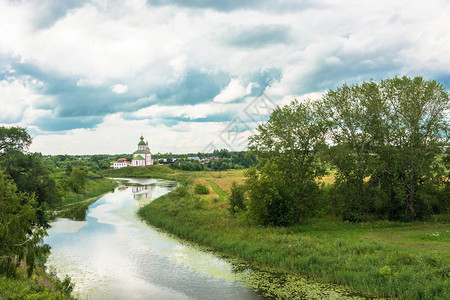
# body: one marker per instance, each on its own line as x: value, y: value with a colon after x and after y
x: 121, y: 163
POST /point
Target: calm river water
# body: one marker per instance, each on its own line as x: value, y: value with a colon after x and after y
x: 114, y: 255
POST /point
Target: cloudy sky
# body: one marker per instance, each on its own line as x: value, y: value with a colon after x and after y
x: 89, y: 77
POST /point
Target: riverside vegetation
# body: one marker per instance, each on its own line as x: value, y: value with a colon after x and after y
x: 31, y: 194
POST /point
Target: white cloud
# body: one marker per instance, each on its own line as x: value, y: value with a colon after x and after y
x: 192, y: 112
x: 18, y: 101
x: 119, y: 88
x: 235, y: 90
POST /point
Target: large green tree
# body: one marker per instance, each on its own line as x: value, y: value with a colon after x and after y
x: 386, y: 138
x: 13, y: 139
x: 287, y: 147
x: 27, y: 169
x: 413, y: 131
x: 352, y: 115
x: 21, y: 238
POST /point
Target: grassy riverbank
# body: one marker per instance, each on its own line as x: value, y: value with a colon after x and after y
x: 93, y: 189
x: 39, y: 286
x: 380, y: 258
x: 73, y: 204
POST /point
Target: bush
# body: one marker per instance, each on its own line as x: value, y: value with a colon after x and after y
x: 201, y: 189
x: 237, y: 198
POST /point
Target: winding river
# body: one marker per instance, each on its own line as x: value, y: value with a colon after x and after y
x: 112, y: 254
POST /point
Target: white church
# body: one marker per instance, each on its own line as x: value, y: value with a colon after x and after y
x: 142, y: 156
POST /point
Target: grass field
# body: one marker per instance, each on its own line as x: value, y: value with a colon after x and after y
x: 376, y: 259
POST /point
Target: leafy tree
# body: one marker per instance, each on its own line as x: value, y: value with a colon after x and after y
x: 78, y: 179
x: 287, y: 147
x: 13, y: 139
x: 31, y: 176
x: 104, y: 164
x: 20, y: 237
x: 386, y: 139
x: 69, y: 169
x: 352, y: 114
x: 222, y: 153
x: 412, y: 134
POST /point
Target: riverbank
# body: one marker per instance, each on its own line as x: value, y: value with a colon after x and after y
x: 376, y: 259
x: 74, y: 205
x: 39, y: 286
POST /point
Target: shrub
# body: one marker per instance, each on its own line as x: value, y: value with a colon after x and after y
x: 201, y: 189
x: 237, y: 198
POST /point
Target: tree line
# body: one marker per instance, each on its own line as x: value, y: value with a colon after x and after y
x: 386, y: 143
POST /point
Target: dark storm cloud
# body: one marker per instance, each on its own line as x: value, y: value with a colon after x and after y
x: 48, y: 12
x: 76, y: 106
x: 351, y: 68
x: 56, y: 123
x: 258, y: 36
x: 263, y: 78
x: 230, y: 5
x: 195, y: 87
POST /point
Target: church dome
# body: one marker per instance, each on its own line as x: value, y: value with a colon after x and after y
x: 142, y: 141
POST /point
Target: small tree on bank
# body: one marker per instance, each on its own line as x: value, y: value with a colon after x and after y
x: 237, y: 198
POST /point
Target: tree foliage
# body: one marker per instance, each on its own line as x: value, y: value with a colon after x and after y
x: 237, y: 198
x: 77, y: 179
x: 21, y: 238
x: 13, y: 139
x: 412, y: 131
x: 287, y: 147
x: 351, y: 113
x: 385, y: 142
x: 387, y: 138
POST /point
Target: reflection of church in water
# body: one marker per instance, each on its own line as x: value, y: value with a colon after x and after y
x: 142, y: 191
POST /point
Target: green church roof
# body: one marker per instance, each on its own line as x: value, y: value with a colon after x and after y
x: 142, y: 143
x: 138, y: 157
x: 141, y: 152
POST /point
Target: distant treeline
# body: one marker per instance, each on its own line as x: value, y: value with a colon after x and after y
x: 218, y: 160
